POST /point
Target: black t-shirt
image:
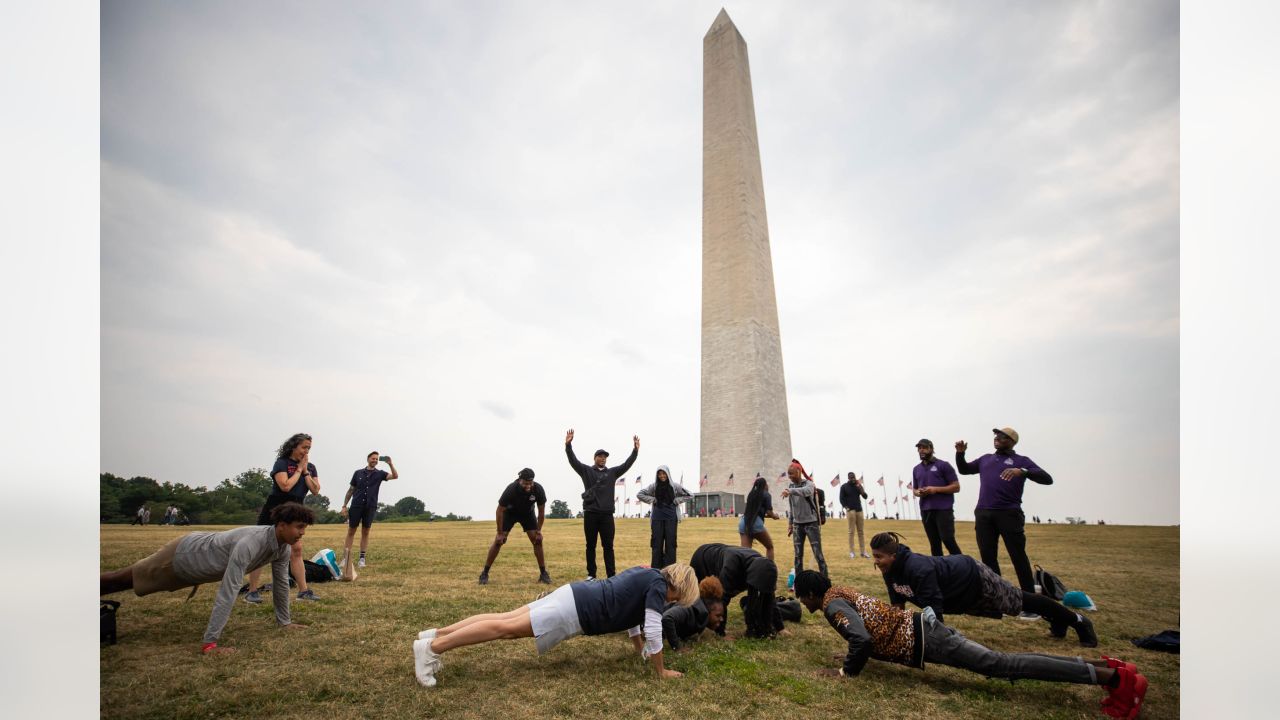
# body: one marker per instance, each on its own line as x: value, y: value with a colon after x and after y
x: 519, y: 502
x: 288, y: 466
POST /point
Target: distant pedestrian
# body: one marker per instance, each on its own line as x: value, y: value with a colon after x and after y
x: 665, y: 495
x: 751, y: 524
x: 934, y: 481
x: 598, y: 505
x: 805, y: 520
x: 1002, y: 476
x: 516, y: 506
x: 363, y: 497
x: 851, y: 496
x: 139, y: 515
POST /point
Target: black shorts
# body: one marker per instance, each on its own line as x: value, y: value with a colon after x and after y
x: 528, y: 522
x: 360, y: 515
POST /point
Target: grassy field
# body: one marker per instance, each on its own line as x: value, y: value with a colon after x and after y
x: 355, y: 658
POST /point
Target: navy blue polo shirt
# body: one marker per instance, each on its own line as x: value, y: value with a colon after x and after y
x: 619, y: 603
x: 366, y: 482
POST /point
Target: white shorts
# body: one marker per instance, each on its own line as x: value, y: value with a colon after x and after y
x: 554, y: 619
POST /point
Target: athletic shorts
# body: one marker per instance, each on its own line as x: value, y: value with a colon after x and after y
x: 154, y: 573
x: 528, y: 522
x: 360, y: 515
x: 554, y: 619
x: 756, y: 528
x: 999, y: 597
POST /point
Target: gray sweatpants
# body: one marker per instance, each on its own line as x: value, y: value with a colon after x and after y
x: 946, y: 646
x: 811, y: 530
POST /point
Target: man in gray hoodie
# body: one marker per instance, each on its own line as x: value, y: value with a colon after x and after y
x: 804, y: 522
x: 224, y: 557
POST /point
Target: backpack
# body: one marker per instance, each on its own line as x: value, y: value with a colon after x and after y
x: 316, y: 573
x: 1049, y: 584
x: 108, y: 619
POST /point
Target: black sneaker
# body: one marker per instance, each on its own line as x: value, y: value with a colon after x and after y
x: 544, y: 578
x: 484, y: 578
x: 1058, y: 630
x: 1084, y: 630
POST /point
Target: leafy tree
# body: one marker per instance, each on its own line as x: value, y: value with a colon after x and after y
x: 384, y: 511
x: 560, y: 510
x: 316, y: 502
x: 410, y: 506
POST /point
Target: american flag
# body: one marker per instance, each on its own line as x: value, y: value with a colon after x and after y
x: 638, y: 479
x: 627, y: 501
x: 730, y: 478
x: 895, y: 500
x: 620, y: 481
x: 880, y: 482
x: 835, y: 480
x: 871, y: 501
x: 703, y: 482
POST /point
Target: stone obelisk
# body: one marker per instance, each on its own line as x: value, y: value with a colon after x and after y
x: 745, y: 427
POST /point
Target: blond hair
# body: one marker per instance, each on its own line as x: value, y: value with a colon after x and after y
x: 684, y: 580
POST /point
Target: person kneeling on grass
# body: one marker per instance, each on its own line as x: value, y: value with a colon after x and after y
x: 960, y: 584
x: 202, y: 557
x: 875, y: 629
x: 681, y: 624
x: 632, y: 600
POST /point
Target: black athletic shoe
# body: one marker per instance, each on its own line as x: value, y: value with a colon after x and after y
x: 1084, y: 629
x: 484, y: 578
x: 544, y: 578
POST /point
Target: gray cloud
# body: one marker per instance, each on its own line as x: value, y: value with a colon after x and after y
x: 370, y: 217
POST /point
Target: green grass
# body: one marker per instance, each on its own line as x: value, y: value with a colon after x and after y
x: 355, y: 659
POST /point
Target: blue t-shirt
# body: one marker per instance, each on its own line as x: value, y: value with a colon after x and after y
x: 617, y: 604
x: 298, y: 493
x: 366, y: 482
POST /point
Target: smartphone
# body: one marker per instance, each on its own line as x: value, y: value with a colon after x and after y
x: 384, y: 458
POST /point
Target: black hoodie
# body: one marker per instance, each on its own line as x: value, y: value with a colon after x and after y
x: 949, y: 582
x: 597, y: 495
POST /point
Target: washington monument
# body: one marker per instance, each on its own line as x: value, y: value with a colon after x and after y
x: 745, y: 427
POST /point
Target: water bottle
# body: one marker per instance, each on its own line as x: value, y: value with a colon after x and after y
x: 791, y: 578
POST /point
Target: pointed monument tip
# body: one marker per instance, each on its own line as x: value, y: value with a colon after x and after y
x: 721, y: 20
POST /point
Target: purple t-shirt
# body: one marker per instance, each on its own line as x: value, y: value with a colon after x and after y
x: 935, y: 473
x: 994, y: 493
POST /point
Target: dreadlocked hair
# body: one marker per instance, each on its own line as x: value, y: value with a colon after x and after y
x: 886, y: 540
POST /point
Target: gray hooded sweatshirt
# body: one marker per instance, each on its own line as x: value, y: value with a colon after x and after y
x: 647, y: 495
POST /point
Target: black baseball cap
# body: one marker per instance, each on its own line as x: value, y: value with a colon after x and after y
x: 526, y: 474
x: 925, y: 442
x: 601, y: 451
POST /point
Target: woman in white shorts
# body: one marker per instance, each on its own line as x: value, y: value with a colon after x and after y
x: 632, y: 600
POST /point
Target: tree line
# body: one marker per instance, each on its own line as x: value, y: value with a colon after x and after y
x: 234, y: 501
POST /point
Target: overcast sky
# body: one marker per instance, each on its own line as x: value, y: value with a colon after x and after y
x: 387, y: 225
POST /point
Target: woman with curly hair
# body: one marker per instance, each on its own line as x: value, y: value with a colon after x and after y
x: 292, y: 477
x: 681, y: 624
x: 632, y: 600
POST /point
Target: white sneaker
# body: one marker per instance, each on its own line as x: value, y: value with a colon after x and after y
x: 425, y: 663
x: 427, y: 634
x: 866, y: 556
x: 853, y: 555
x: 1028, y: 616
x: 361, y: 563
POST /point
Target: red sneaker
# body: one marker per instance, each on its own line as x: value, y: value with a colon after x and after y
x: 1126, y: 700
x: 1117, y: 662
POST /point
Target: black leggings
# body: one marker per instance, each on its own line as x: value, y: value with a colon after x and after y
x: 1048, y: 608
